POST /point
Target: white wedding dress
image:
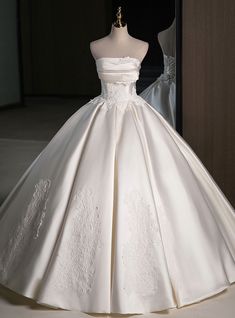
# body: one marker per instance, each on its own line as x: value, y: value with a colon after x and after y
x: 161, y: 94
x: 117, y: 214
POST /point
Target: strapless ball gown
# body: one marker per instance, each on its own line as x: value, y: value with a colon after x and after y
x: 161, y: 94
x: 117, y: 214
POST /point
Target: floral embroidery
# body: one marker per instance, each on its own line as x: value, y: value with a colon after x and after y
x: 118, y: 95
x: 139, y: 252
x: 31, y: 222
x: 75, y: 264
x: 169, y: 69
x: 39, y: 204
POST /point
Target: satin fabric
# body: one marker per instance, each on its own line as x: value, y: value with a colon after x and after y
x: 161, y: 94
x: 117, y: 214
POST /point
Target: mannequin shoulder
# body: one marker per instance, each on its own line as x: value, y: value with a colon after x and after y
x: 98, y: 42
x: 140, y: 47
x: 97, y: 45
x: 139, y: 43
x: 170, y: 31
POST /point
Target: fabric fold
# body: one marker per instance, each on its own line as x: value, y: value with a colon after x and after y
x: 117, y: 214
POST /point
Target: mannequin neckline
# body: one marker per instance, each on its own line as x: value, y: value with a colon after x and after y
x: 120, y: 34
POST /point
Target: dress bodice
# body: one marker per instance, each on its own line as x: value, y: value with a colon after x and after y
x: 169, y: 67
x: 118, y: 77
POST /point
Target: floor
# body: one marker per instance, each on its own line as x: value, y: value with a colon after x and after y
x: 24, y: 132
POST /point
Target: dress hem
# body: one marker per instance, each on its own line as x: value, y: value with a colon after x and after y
x: 177, y: 306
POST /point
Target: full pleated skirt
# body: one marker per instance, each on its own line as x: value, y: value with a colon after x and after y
x: 117, y: 215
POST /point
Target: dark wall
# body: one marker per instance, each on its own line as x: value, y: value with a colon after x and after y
x: 10, y: 82
x: 56, y: 37
x: 208, y: 86
x: 145, y: 19
x: 55, y: 41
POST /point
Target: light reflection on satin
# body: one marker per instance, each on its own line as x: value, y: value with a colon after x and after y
x: 161, y: 94
x: 117, y: 183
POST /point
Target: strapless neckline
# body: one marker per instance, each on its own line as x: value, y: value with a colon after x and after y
x: 118, y: 58
x: 118, y: 69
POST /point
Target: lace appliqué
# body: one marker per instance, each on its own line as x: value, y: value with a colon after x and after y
x: 75, y: 265
x: 28, y: 227
x: 139, y: 253
x: 118, y: 95
x: 38, y: 205
x: 169, y: 69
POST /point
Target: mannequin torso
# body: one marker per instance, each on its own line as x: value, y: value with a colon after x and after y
x: 119, y: 44
x: 167, y: 39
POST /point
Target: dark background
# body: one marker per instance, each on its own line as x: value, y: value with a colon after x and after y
x: 10, y: 88
x: 55, y: 38
x: 145, y: 19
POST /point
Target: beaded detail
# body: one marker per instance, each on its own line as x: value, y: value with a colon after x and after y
x: 75, y: 263
x: 139, y: 252
x: 28, y: 227
x: 169, y: 68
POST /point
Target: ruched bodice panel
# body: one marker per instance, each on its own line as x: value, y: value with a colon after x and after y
x: 118, y: 77
x: 114, y: 70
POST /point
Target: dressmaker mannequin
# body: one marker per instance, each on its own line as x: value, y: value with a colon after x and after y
x: 119, y: 43
x: 161, y: 93
x: 166, y: 40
